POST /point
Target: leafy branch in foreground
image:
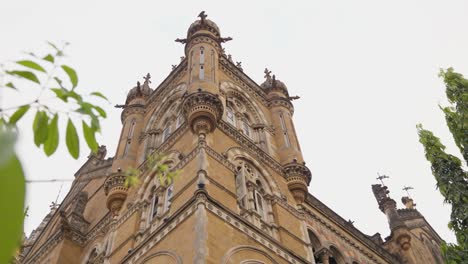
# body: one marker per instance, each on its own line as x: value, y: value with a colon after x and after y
x: 54, y: 98
x: 155, y: 164
x: 452, y: 180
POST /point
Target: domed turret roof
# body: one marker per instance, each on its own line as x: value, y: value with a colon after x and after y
x: 142, y: 91
x: 203, y: 24
x: 271, y: 83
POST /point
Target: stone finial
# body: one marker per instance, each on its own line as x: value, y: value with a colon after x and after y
x: 267, y: 74
x: 202, y: 16
x: 147, y: 78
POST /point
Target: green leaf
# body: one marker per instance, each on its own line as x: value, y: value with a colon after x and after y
x: 100, y: 111
x: 89, y: 135
x: 75, y: 96
x: 51, y: 144
x: 71, y: 74
x: 11, y: 85
x: 49, y: 58
x: 18, y: 114
x: 12, y: 193
x: 98, y: 94
x: 31, y: 64
x: 62, y: 94
x: 73, y: 143
x: 40, y: 127
x: 24, y: 74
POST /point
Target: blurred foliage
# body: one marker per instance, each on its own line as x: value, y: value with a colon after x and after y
x: 452, y: 179
x: 55, y: 84
x: 156, y: 164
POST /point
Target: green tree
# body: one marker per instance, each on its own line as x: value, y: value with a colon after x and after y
x: 54, y: 85
x: 452, y: 179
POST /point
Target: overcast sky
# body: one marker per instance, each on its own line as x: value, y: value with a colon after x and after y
x: 366, y: 72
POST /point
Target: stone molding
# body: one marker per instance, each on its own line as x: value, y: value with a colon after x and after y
x: 251, y: 147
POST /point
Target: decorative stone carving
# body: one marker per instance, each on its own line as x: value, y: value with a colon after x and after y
x: 114, y: 188
x: 202, y: 110
x: 298, y: 177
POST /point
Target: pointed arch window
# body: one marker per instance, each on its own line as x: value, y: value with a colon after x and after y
x: 251, y: 192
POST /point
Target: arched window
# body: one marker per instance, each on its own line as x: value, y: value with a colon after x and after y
x: 251, y: 191
x: 315, y: 242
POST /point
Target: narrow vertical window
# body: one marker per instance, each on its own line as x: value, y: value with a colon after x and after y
x: 202, y: 64
x: 259, y: 204
x: 286, y: 140
x: 212, y: 66
x: 202, y: 55
x: 285, y: 131
x: 154, y: 209
x: 202, y: 72
x: 246, y: 128
x: 127, y: 147
x: 179, y: 121
x: 240, y: 186
x: 230, y: 116
x: 169, y: 193
x: 130, y: 131
x: 283, y: 124
x: 166, y: 133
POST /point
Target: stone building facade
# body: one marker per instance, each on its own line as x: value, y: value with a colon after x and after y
x: 241, y: 192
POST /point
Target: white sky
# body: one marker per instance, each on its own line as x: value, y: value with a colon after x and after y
x: 366, y: 72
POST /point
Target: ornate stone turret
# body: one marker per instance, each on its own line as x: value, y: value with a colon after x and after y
x: 298, y: 177
x: 132, y: 120
x: 203, y: 110
x: 282, y: 111
x: 116, y: 192
x: 202, y: 49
